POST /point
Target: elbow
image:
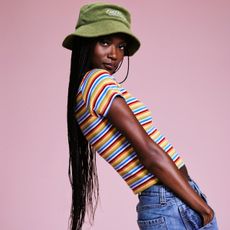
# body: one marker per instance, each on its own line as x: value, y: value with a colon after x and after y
x: 153, y: 158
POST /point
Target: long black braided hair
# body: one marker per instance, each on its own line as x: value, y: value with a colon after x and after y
x: 82, y: 159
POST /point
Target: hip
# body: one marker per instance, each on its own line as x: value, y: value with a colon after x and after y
x: 160, y: 208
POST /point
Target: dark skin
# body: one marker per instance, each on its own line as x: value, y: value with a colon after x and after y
x: 108, y: 52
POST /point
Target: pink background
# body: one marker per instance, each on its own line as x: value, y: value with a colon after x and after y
x: 181, y: 72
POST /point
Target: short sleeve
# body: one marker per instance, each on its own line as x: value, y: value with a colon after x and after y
x: 99, y: 89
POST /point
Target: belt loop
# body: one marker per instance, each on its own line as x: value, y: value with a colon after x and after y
x: 162, y: 195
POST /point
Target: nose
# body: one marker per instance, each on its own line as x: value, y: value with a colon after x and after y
x: 112, y: 52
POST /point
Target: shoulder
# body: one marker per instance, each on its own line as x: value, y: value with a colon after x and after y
x: 97, y: 73
x: 97, y: 76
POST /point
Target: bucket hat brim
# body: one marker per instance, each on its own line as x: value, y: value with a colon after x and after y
x: 102, y: 28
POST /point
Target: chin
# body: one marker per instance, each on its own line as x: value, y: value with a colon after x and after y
x: 110, y: 70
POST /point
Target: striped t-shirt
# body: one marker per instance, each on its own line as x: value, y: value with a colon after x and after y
x: 94, y: 98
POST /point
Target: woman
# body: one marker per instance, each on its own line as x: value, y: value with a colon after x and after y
x: 104, y: 118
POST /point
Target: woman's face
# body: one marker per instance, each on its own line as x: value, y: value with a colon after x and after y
x: 108, y: 52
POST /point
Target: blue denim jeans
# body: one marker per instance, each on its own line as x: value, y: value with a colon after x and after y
x: 159, y: 208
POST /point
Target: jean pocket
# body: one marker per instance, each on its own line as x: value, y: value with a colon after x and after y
x: 191, y: 219
x: 212, y: 225
x: 153, y: 224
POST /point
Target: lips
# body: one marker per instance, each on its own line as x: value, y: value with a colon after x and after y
x: 109, y: 65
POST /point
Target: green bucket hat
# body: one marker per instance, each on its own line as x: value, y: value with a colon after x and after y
x: 99, y: 19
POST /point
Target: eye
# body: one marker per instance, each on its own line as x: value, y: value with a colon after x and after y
x: 104, y: 42
x: 123, y: 46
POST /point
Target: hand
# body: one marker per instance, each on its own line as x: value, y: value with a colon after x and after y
x: 207, y: 216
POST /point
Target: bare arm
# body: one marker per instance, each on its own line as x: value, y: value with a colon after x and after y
x: 154, y: 158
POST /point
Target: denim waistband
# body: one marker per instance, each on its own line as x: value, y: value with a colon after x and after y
x: 160, y: 188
